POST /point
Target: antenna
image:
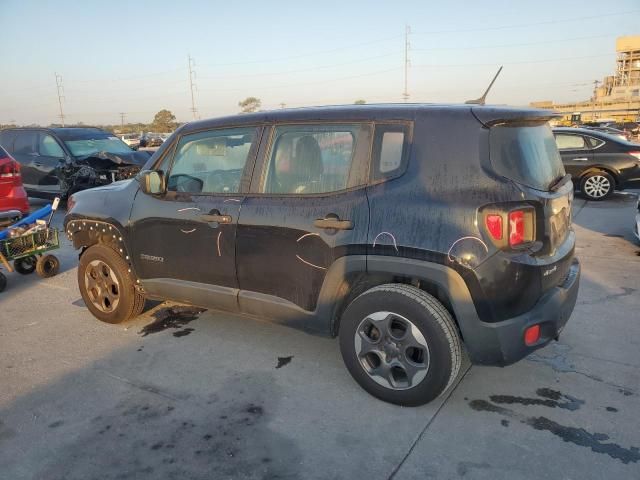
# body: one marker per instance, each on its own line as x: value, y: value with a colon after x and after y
x: 481, y: 100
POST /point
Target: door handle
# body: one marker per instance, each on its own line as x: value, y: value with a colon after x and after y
x: 581, y: 159
x: 37, y: 164
x: 215, y: 216
x: 334, y: 223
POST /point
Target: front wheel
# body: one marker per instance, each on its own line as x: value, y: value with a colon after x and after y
x: 47, y: 266
x: 400, y: 344
x: 597, y: 186
x: 107, y: 287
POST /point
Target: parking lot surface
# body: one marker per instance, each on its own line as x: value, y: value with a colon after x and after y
x: 188, y: 395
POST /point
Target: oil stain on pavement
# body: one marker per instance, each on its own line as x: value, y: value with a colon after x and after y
x: 282, y: 361
x: 174, y: 317
x: 597, y: 442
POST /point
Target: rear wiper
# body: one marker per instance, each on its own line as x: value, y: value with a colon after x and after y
x: 559, y: 182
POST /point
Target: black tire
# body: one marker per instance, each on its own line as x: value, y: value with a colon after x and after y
x: 435, y: 325
x: 597, y: 186
x: 47, y: 266
x: 130, y: 302
x: 3, y: 282
x: 26, y: 265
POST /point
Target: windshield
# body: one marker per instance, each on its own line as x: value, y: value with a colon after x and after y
x: 100, y: 142
x: 526, y: 154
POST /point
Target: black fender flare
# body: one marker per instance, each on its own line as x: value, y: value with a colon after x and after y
x: 86, y: 232
x: 474, y: 332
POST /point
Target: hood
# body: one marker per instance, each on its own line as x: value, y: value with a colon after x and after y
x: 132, y: 158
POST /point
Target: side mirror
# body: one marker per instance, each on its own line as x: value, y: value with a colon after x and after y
x: 152, y: 182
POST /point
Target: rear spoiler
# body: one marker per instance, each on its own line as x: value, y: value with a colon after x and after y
x: 490, y: 116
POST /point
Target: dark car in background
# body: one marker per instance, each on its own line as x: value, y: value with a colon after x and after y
x: 60, y: 161
x: 362, y: 222
x: 151, y: 140
x: 598, y: 163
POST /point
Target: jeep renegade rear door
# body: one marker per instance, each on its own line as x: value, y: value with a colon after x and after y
x: 307, y: 207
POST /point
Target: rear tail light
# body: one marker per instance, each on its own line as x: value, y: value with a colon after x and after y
x: 494, y: 226
x: 532, y: 335
x: 10, y: 169
x: 511, y: 228
x: 635, y: 154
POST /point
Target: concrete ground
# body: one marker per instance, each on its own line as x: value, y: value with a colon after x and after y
x: 218, y: 396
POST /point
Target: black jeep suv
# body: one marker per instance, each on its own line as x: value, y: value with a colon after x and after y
x: 408, y: 231
x: 60, y: 161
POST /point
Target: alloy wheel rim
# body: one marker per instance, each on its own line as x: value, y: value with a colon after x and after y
x: 597, y: 186
x: 102, y: 286
x: 391, y: 350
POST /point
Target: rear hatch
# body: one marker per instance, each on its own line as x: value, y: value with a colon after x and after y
x: 523, y: 150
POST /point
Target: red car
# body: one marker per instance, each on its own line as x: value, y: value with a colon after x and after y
x: 12, y: 193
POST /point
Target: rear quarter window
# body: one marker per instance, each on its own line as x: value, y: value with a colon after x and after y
x: 526, y: 154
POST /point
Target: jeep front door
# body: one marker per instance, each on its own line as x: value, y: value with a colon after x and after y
x: 184, y: 239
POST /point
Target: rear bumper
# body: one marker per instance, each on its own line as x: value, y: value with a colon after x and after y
x: 502, y: 343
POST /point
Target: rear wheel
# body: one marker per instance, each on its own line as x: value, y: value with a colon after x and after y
x: 3, y: 282
x: 597, y: 185
x: 107, y: 287
x: 400, y: 344
x: 25, y: 265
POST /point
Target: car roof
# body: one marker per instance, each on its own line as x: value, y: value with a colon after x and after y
x: 370, y: 112
x: 610, y: 137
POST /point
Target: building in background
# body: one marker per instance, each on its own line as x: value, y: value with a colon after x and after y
x: 616, y: 97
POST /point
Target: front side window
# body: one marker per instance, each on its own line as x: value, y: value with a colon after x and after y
x: 570, y: 142
x: 49, y: 147
x: 211, y: 161
x: 312, y: 159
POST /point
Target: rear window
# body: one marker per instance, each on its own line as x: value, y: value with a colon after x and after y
x: 526, y: 154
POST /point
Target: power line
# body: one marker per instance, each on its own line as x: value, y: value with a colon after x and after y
x: 509, y: 45
x: 192, y: 74
x: 520, y: 25
x: 60, y: 91
x: 407, y: 31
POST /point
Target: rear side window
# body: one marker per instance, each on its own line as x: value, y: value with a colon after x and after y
x: 570, y: 142
x: 6, y: 139
x: 312, y: 159
x: 389, y: 152
x: 25, y: 143
x: 526, y: 154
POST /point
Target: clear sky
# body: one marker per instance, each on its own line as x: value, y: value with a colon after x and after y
x: 124, y: 56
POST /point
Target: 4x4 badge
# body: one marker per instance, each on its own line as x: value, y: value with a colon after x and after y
x: 550, y: 271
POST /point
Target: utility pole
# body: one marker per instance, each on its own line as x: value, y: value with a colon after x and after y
x: 122, y: 114
x: 192, y: 75
x: 595, y: 95
x: 282, y: 105
x: 407, y: 62
x: 60, y: 90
